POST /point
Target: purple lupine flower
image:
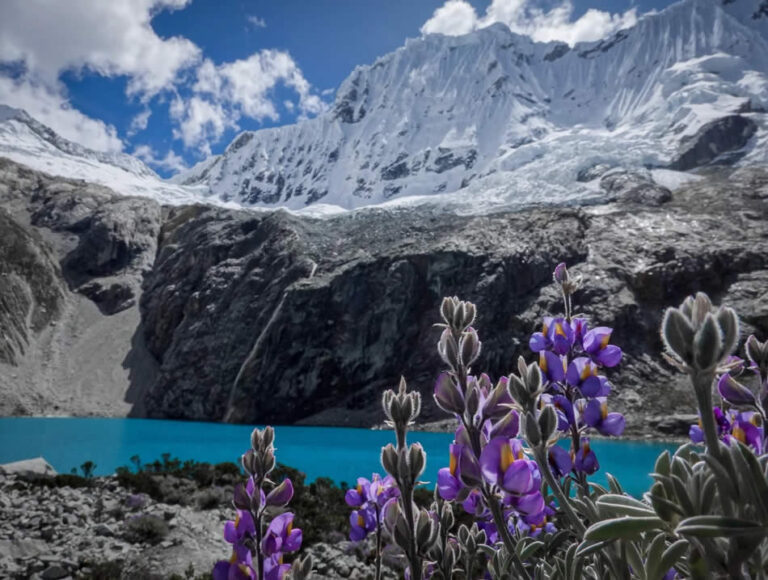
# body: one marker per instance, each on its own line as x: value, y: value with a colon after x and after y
x: 238, y: 567
x: 239, y: 529
x: 503, y: 463
x: 531, y: 504
x: 582, y: 373
x: 596, y: 415
x: 744, y: 428
x: 539, y: 340
x: 497, y: 402
x: 560, y: 461
x: 596, y: 345
x: 564, y: 409
x: 473, y: 504
x: 585, y: 459
x: 580, y: 329
x: 274, y: 569
x: 508, y: 426
x: 552, y: 366
x: 358, y: 495
x: 448, y: 482
x: 696, y: 434
x: 561, y: 335
x: 363, y: 522
x: 382, y: 490
x: 734, y: 392
x: 281, y: 536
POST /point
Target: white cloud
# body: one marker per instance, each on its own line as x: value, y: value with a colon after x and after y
x: 171, y: 161
x: 52, y: 109
x: 201, y: 122
x: 459, y: 17
x: 455, y: 17
x: 222, y: 94
x: 139, y: 122
x: 256, y: 21
x: 112, y: 38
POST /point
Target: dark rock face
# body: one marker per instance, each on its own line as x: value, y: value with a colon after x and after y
x: 725, y: 135
x: 278, y: 318
x: 258, y: 317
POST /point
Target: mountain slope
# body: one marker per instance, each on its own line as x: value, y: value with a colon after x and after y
x: 492, y: 117
x: 27, y: 141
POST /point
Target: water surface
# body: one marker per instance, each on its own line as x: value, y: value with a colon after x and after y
x: 339, y: 453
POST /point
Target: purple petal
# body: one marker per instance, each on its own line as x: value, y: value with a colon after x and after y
x: 610, y: 356
x: 447, y: 485
x: 592, y: 386
x: 293, y: 541
x: 734, y: 392
x: 613, y: 424
x: 597, y: 339
x: 538, y: 342
x: 592, y: 413
x: 281, y: 495
x: 552, y: 366
x: 221, y: 570
x: 531, y: 504
x: 230, y: 532
x: 490, y: 459
x: 447, y: 395
x: 560, y: 461
x: 517, y: 477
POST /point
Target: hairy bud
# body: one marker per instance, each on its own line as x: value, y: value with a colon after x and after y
x: 469, y: 347
x: 547, y: 422
x: 417, y: 460
x: 389, y: 460
x: 707, y: 343
x: 532, y: 430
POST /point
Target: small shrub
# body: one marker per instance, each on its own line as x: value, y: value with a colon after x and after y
x: 146, y: 528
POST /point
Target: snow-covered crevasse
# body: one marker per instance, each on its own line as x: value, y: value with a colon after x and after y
x: 493, y: 118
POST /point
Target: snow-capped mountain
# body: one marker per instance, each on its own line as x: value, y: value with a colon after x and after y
x: 493, y: 117
x: 27, y: 141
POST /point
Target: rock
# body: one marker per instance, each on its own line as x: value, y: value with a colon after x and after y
x: 54, y: 573
x: 725, y: 135
x: 36, y: 466
x: 676, y: 424
x: 102, y: 530
x: 634, y: 187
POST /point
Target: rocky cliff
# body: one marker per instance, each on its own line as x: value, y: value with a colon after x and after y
x: 273, y: 317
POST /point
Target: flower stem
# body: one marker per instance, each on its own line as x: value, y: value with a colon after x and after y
x: 540, y: 455
x: 377, y: 575
x: 501, y: 525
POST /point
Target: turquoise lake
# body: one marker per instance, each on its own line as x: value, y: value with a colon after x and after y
x: 339, y: 453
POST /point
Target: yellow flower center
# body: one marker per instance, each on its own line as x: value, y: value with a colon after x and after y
x: 604, y: 410
x: 543, y: 362
x: 738, y: 433
x: 559, y: 330
x: 452, y: 464
x: 507, y: 456
x: 360, y: 520
x: 604, y: 342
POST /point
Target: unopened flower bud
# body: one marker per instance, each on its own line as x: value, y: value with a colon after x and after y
x: 389, y: 460
x: 469, y: 347
x: 707, y: 343
x: 532, y: 431
x: 678, y: 334
x: 560, y: 275
x: 473, y: 399
x: 448, y: 349
x: 447, y: 395
x: 547, y: 422
x: 447, y: 308
x: 417, y: 460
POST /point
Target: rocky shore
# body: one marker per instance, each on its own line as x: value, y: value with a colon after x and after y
x: 59, y: 527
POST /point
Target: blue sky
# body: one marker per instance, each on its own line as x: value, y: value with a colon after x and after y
x: 174, y: 80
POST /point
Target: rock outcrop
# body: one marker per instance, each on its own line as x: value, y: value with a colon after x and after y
x: 721, y: 140
x: 72, y: 259
x: 273, y: 317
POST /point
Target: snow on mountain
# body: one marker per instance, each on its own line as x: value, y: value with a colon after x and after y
x: 25, y: 140
x: 493, y: 118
